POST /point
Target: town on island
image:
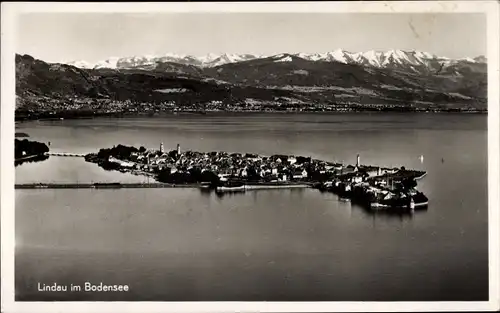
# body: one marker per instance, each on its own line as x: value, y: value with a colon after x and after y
x: 225, y: 172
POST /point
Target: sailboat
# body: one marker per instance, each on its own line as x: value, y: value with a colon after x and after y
x: 421, y: 158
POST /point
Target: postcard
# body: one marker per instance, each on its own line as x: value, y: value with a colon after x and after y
x: 260, y: 157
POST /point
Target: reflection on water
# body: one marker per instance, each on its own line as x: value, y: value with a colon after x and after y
x: 398, y: 213
x: 177, y: 244
x: 38, y: 158
x: 254, y: 193
x: 392, y: 214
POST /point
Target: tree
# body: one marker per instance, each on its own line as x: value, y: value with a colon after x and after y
x: 252, y: 174
x: 173, y: 154
x: 408, y: 183
x: 209, y: 176
x: 23, y: 148
x: 195, y: 174
x: 302, y: 160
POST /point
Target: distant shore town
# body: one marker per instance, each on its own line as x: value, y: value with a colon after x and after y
x: 280, y: 83
x: 93, y: 109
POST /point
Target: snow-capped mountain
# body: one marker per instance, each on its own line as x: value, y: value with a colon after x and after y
x: 480, y: 59
x: 323, y: 79
x: 384, y: 59
x: 415, y: 60
x: 82, y: 64
x: 209, y: 60
x: 230, y: 58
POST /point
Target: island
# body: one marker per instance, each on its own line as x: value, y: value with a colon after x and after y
x: 377, y: 187
x: 29, y: 151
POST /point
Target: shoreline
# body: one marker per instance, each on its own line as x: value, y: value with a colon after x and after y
x: 230, y: 113
x: 28, y: 157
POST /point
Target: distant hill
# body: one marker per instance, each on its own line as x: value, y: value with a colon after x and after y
x: 289, y: 70
x: 55, y: 87
x: 284, y: 79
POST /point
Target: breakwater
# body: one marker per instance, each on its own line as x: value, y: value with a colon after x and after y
x: 263, y: 186
x: 143, y: 185
x: 98, y: 185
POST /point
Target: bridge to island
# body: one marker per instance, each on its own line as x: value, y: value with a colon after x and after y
x: 65, y: 154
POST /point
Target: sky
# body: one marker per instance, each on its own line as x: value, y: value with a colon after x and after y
x: 92, y: 37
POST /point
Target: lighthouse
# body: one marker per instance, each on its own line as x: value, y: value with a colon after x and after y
x: 161, y: 148
x: 178, y: 149
x: 357, y: 160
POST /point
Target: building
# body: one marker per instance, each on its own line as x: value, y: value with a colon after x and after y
x: 224, y: 176
x: 348, y: 169
x: 244, y: 173
x: 299, y: 174
x: 356, y: 179
x: 371, y: 170
x: 121, y: 163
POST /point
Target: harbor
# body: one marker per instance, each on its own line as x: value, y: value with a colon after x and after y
x: 388, y: 191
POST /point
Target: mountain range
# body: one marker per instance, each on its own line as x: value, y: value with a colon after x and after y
x: 413, y: 60
x: 335, y: 79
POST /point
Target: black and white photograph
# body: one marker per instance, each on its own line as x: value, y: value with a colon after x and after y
x: 189, y: 153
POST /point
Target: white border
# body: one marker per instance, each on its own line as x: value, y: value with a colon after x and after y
x: 11, y: 10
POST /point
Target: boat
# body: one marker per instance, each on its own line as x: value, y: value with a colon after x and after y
x: 412, y: 200
x: 412, y: 204
x: 107, y: 185
x: 231, y: 187
x: 205, y: 185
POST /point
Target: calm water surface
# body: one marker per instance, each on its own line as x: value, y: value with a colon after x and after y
x: 276, y: 245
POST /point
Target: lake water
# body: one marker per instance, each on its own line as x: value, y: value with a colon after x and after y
x: 275, y: 245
